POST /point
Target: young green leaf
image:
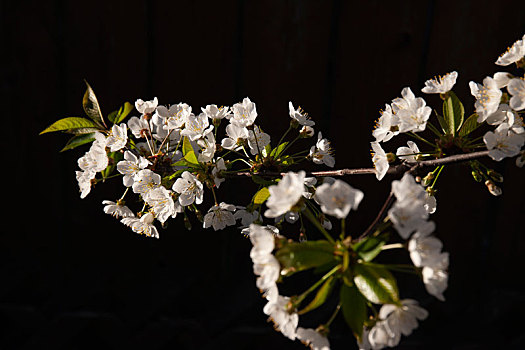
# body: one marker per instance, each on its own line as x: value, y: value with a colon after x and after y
x: 376, y: 284
x: 353, y: 306
x: 368, y: 248
x: 470, y: 125
x: 186, y: 146
x: 261, y: 196
x: 71, y: 124
x: 91, y: 106
x: 118, y: 116
x: 78, y: 140
x: 453, y: 113
x: 191, y: 158
x: 276, y: 152
x: 299, y: 256
x: 322, y: 294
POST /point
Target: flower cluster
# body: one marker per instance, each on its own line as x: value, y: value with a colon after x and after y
x: 172, y: 160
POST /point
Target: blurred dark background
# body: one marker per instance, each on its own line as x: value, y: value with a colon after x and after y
x: 75, y: 278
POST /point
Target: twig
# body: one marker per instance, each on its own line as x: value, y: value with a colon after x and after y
x: 394, y: 170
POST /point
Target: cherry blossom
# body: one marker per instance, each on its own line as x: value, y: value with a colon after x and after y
x: 441, y: 84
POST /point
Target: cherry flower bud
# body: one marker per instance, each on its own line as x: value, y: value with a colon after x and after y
x: 495, y: 175
x: 493, y: 189
x: 307, y: 131
x: 477, y: 175
x: 428, y: 179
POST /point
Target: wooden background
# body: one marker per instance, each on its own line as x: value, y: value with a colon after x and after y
x: 74, y: 278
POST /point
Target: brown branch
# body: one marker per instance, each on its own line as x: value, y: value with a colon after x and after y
x: 394, y: 170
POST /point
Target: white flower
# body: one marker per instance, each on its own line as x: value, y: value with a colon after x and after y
x: 130, y: 167
x: 219, y: 216
x: 503, y: 143
x: 215, y: 172
x: 441, y: 84
x: 409, y: 153
x: 145, y: 181
x: 424, y: 250
x: 516, y: 88
x: 84, y: 181
x: 387, y: 126
x: 338, y: 198
x: 435, y: 276
x: 162, y: 204
x: 513, y: 53
x: 143, y: 226
x: 502, y: 79
x: 268, y: 271
x: 118, y: 137
x: 285, y: 194
x: 257, y: 140
x: 504, y: 114
x: 380, y: 336
x: 263, y: 242
x: 197, y: 127
x: 235, y: 136
x: 245, y: 216
x: 408, y: 190
x: 402, y: 319
x: 190, y: 189
x: 430, y: 203
x: 96, y: 158
x: 321, y: 153
x: 214, y: 112
x: 412, y: 112
x: 314, y: 339
x: 173, y: 118
x: 244, y: 113
x: 380, y: 160
x: 284, y: 321
x: 307, y: 131
x: 139, y: 127
x: 299, y: 115
x: 146, y: 107
x: 487, y: 96
x: 208, y: 148
x: 408, y: 217
x: 117, y: 209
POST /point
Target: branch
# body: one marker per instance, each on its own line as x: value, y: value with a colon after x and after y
x: 394, y: 170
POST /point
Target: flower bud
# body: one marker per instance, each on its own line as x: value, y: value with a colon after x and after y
x: 307, y: 131
x: 495, y: 175
x: 477, y: 175
x: 428, y: 179
x: 493, y: 189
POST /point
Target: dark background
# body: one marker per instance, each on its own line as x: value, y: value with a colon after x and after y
x: 75, y: 278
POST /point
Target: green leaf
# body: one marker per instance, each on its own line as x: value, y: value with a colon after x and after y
x: 299, y: 256
x: 261, y: 196
x: 71, y: 124
x: 276, y: 152
x: 186, y: 146
x: 441, y: 121
x: 91, y: 106
x: 453, y: 113
x: 369, y: 248
x: 78, y: 140
x: 353, y: 306
x: 191, y: 158
x: 118, y: 116
x: 322, y: 294
x: 470, y: 125
x: 377, y: 284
